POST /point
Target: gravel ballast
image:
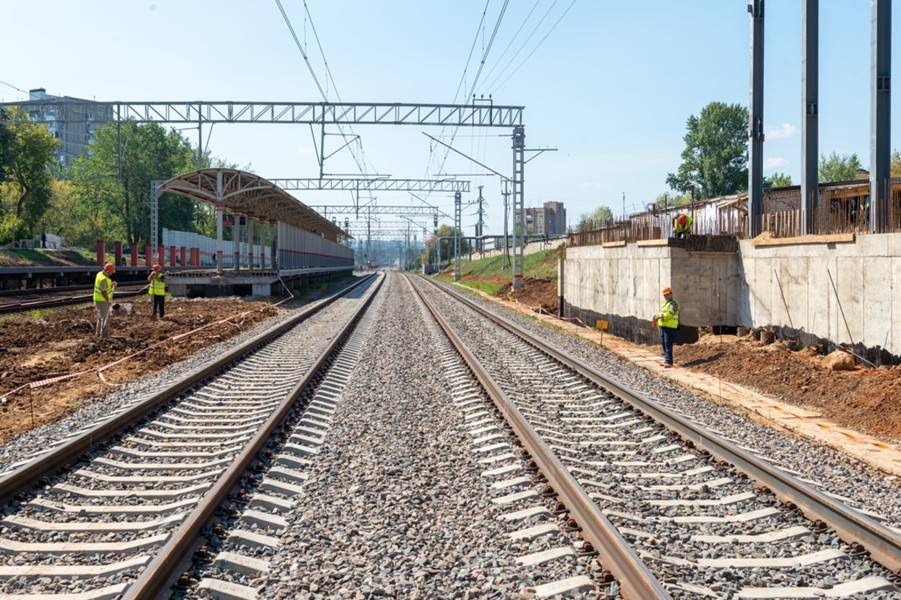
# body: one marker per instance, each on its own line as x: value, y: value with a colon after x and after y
x: 397, y: 504
x: 862, y: 486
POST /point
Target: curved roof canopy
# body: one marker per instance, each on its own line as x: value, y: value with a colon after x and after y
x: 250, y: 195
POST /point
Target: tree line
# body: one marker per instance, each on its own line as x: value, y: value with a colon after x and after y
x: 104, y: 194
x: 715, y: 163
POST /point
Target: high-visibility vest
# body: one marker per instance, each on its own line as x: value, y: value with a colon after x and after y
x: 668, y: 316
x: 98, y: 282
x: 683, y: 228
x: 157, y: 286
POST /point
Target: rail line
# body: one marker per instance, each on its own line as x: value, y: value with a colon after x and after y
x: 54, y: 297
x: 672, y: 508
x: 147, y: 479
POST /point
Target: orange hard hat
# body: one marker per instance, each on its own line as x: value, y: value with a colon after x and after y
x: 157, y: 267
x: 109, y: 267
x: 682, y: 219
x: 666, y: 291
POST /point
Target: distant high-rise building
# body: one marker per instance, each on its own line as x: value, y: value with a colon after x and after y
x: 73, y: 121
x: 549, y: 219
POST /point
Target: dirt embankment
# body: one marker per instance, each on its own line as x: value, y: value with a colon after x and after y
x: 536, y: 292
x: 867, y: 400
x: 62, y: 342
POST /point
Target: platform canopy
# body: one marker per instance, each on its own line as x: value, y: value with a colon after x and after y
x: 244, y: 193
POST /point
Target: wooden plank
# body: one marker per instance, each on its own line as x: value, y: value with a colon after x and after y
x: 618, y: 244
x: 835, y: 238
x: 663, y: 242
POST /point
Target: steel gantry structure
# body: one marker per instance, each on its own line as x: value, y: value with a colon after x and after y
x: 371, y: 184
x: 200, y: 113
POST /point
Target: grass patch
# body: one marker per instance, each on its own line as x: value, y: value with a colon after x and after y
x: 35, y: 314
x: 489, y: 275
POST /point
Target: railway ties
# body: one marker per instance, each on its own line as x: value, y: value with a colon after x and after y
x: 701, y: 526
x: 88, y: 532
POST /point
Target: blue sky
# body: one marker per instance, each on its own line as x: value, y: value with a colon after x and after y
x: 611, y: 86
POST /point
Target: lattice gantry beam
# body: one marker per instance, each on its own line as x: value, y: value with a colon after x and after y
x: 373, y: 185
x: 376, y: 210
x: 316, y: 113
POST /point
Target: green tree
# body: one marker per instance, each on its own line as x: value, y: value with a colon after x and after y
x: 595, y: 219
x: 25, y: 194
x: 896, y: 164
x: 447, y: 245
x: 120, y: 193
x: 839, y: 167
x: 5, y: 144
x: 668, y: 200
x: 778, y: 180
x: 715, y: 159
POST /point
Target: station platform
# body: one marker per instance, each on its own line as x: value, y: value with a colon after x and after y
x: 245, y: 282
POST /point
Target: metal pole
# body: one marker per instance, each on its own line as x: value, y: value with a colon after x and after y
x: 880, y: 114
x: 219, y: 221
x: 154, y: 214
x: 458, y: 209
x: 755, y: 126
x: 480, y: 224
x: 236, y: 241
x: 249, y: 243
x: 200, y: 145
x: 519, y: 145
x: 506, y: 194
x: 810, y: 65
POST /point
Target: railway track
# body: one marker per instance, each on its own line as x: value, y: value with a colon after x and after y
x: 671, y: 508
x: 54, y: 297
x: 116, y: 511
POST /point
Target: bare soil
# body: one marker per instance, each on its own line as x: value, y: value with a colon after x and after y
x: 62, y: 342
x: 866, y: 399
x: 536, y: 292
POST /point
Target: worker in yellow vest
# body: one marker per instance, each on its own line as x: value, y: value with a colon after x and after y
x: 156, y: 287
x: 667, y: 320
x: 103, y: 298
x: 682, y: 225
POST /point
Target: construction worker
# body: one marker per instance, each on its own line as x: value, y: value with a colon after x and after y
x: 682, y: 225
x: 156, y: 287
x: 103, y: 298
x: 667, y: 320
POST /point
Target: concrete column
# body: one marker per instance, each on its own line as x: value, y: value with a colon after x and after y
x: 755, y: 125
x: 148, y: 255
x: 219, y: 221
x: 880, y: 114
x: 173, y: 256
x: 118, y: 252
x: 161, y: 255
x: 101, y: 252
x: 236, y: 242
x: 560, y: 274
x: 810, y: 65
x: 274, y: 251
x: 183, y: 252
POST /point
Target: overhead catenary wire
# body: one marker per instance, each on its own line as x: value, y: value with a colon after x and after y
x: 526, y: 59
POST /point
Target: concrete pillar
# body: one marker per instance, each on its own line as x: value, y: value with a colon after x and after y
x: 195, y: 257
x: 219, y: 221
x: 236, y: 242
x: 161, y: 256
x: 560, y: 287
x: 810, y: 65
x: 101, y: 252
x: 173, y: 256
x: 755, y: 125
x: 148, y: 255
x: 275, y: 262
x: 134, y: 255
x: 183, y: 254
x: 118, y: 251
x: 880, y: 114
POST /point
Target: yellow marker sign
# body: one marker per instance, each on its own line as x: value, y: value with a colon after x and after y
x: 601, y: 325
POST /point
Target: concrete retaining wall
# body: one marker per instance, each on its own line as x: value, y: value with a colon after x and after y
x: 623, y: 285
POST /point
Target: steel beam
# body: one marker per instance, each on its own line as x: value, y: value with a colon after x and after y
x: 810, y: 153
x: 880, y: 114
x: 375, y: 209
x: 306, y: 113
x: 372, y: 185
x: 755, y: 125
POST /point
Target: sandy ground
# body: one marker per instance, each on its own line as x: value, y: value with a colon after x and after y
x: 866, y: 399
x: 61, y: 341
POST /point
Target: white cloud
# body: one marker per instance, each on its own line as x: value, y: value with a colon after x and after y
x: 785, y: 131
x: 774, y: 163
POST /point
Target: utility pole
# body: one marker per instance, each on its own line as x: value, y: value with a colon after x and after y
x: 519, y: 187
x: 457, y: 228
x: 755, y: 126
x: 880, y: 115
x: 480, y: 225
x: 810, y: 153
x: 506, y: 194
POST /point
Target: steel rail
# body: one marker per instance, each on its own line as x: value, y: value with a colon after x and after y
x: 617, y: 556
x: 14, y: 307
x: 26, y: 477
x: 883, y: 544
x: 155, y: 578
